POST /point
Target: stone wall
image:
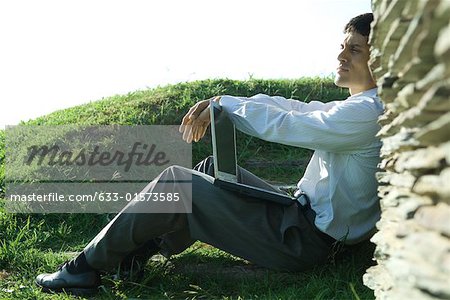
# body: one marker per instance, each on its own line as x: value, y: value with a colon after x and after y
x: 410, y: 58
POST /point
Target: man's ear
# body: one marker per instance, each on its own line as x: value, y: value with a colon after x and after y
x: 372, y: 63
x: 371, y: 72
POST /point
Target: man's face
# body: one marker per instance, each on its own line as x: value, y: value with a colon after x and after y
x: 353, y: 71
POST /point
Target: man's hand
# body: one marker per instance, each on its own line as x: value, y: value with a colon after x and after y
x: 196, y: 121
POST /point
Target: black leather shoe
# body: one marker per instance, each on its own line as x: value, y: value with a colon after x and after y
x: 132, y: 266
x: 82, y: 284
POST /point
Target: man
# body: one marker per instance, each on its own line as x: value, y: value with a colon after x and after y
x: 339, y: 183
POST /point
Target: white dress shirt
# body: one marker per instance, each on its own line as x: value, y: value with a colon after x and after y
x: 340, y: 177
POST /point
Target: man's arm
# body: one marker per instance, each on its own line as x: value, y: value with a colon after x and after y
x: 196, y: 120
x: 345, y: 126
x: 287, y: 104
x: 338, y: 126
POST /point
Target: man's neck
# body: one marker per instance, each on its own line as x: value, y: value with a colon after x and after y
x: 354, y: 91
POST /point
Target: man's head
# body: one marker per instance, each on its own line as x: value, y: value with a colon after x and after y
x: 353, y: 71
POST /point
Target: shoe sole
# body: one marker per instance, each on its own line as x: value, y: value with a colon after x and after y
x: 72, y: 291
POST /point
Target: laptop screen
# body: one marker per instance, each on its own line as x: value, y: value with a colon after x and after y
x: 225, y: 165
x: 224, y: 144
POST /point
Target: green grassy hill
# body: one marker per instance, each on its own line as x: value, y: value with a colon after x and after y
x: 167, y: 105
x: 34, y: 243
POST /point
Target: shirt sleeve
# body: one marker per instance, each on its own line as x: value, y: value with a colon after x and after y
x: 288, y: 104
x: 341, y: 126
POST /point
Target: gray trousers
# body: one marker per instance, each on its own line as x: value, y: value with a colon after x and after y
x: 265, y: 233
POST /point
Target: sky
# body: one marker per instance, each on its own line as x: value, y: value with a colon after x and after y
x: 56, y: 54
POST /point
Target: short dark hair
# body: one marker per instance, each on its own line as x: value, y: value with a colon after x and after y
x: 360, y: 24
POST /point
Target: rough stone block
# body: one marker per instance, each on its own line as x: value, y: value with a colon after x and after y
x: 434, y: 185
x: 401, y: 141
x: 424, y: 159
x: 435, y: 132
x: 442, y: 46
x: 436, y: 218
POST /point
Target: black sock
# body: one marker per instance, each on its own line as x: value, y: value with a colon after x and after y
x: 79, y: 265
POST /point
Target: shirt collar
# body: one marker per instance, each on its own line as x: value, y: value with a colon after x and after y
x: 372, y: 93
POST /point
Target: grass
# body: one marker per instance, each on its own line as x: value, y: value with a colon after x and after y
x: 34, y: 243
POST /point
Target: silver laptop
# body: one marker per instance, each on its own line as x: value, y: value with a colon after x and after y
x: 225, y: 160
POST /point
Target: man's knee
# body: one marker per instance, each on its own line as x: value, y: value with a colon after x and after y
x: 175, y: 172
x: 206, y: 166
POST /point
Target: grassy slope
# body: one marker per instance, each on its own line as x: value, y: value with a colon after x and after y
x: 168, y: 104
x: 30, y: 244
